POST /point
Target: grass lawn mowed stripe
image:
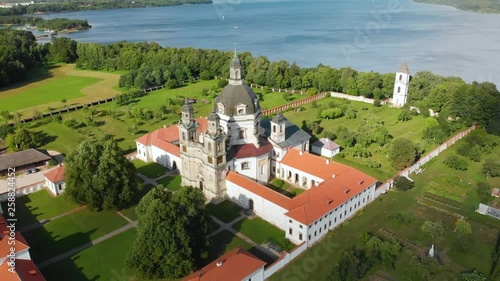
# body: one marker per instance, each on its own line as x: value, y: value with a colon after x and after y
x: 172, y: 183
x: 100, y: 262
x: 261, y: 231
x: 150, y: 170
x: 67, y: 87
x: 39, y: 206
x: 71, y: 231
x: 225, y: 211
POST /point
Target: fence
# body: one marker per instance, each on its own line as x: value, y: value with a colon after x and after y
x: 284, y: 259
x: 293, y: 104
x: 426, y: 158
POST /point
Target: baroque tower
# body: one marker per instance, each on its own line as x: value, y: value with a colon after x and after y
x: 401, y: 84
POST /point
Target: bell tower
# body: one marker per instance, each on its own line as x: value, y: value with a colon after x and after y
x: 278, y: 124
x: 214, y: 142
x: 235, y: 71
x: 401, y: 84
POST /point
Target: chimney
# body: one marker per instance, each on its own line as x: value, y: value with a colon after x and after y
x: 327, y: 161
x: 32, y: 272
x: 333, y: 176
x: 346, y: 190
x: 361, y: 182
x: 238, y: 250
x: 300, y: 153
x: 219, y: 263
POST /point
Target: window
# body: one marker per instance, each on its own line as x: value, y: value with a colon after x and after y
x: 330, y: 223
x: 184, y: 148
x: 290, y: 221
x: 221, y: 108
x: 335, y: 219
x: 309, y: 237
x: 209, y: 147
x: 350, y: 209
x: 241, y: 134
x: 245, y: 166
x: 300, y: 226
x: 274, y: 128
x: 325, y: 226
x: 290, y: 231
x: 400, y: 77
x: 183, y: 135
x: 281, y: 128
x: 399, y: 90
x: 210, y: 160
x: 315, y: 233
x: 300, y: 236
x: 240, y: 111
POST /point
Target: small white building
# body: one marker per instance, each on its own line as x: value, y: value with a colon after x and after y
x: 401, y: 84
x: 236, y: 265
x: 325, y: 147
x: 54, y: 179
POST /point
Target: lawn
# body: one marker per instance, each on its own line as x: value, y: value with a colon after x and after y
x: 40, y: 205
x: 412, y: 130
x: 150, y: 170
x: 172, y: 183
x: 54, y: 83
x: 284, y: 188
x: 274, y: 99
x: 261, y: 231
x: 225, y: 211
x: 224, y: 242
x: 130, y: 211
x: 71, y: 231
x: 460, y: 254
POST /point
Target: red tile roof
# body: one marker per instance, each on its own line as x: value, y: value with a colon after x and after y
x: 317, y: 201
x: 250, y: 150
x: 236, y: 265
x: 56, y: 174
x: 164, y: 138
x: 26, y: 270
x: 312, y: 164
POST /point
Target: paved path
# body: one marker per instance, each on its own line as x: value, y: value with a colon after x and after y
x: 40, y: 223
x: 87, y: 245
x: 123, y: 216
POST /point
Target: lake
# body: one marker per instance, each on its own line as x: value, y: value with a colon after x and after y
x: 365, y: 34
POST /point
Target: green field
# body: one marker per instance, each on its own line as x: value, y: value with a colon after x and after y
x: 67, y: 87
x: 261, y: 231
x: 39, y: 206
x: 150, y: 170
x: 71, y: 231
x: 225, y: 211
x: 411, y: 130
x: 172, y: 183
x: 449, y: 187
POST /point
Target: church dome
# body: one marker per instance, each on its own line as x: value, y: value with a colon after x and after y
x: 237, y: 100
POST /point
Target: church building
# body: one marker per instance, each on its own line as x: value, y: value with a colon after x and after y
x: 234, y: 153
x: 401, y: 85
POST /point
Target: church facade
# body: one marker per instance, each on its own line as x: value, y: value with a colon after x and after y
x: 234, y: 153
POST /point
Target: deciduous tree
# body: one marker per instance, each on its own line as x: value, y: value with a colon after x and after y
x: 433, y: 229
x: 402, y: 153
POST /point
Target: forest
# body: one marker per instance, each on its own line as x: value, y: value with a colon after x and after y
x: 483, y: 6
x: 56, y: 6
x: 56, y: 24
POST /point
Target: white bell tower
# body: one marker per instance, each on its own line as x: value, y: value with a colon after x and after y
x: 401, y: 84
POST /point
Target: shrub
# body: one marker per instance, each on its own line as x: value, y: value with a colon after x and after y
x: 484, y: 192
x: 402, y: 183
x: 279, y: 183
x: 377, y: 103
x: 70, y: 123
x: 331, y: 113
x: 456, y: 162
x: 372, y: 163
x: 405, y: 115
x: 491, y: 167
x: 401, y: 217
x: 314, y: 104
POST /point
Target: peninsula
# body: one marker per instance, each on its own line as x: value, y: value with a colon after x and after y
x: 481, y: 6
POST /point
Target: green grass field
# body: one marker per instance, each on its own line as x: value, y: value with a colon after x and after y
x: 172, y: 183
x: 67, y: 87
x: 411, y: 130
x: 150, y: 170
x: 225, y: 211
x: 40, y: 205
x: 261, y: 231
x: 450, y: 187
x: 71, y: 231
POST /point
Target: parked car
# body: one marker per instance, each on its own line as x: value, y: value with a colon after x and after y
x: 34, y: 170
x: 27, y: 172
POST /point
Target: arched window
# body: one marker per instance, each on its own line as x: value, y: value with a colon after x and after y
x: 209, y: 147
x: 399, y: 90
x: 274, y: 128
x: 236, y: 73
x: 240, y: 111
x: 183, y: 135
x: 400, y: 77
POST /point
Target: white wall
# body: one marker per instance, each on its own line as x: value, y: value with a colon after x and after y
x: 285, y: 169
x: 143, y: 152
x: 164, y: 158
x: 263, y: 208
x: 256, y: 276
x: 54, y: 187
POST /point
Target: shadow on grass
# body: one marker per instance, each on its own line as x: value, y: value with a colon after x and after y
x: 39, y: 73
x: 43, y: 245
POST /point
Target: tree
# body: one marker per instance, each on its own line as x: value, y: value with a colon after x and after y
x: 63, y: 49
x: 433, y: 229
x: 99, y: 176
x: 23, y: 139
x: 331, y: 113
x: 472, y: 276
x: 405, y: 115
x: 6, y: 115
x: 463, y: 228
x: 402, y: 153
x: 491, y: 167
x: 384, y: 251
x: 5, y: 129
x: 403, y: 183
x: 484, y: 192
x: 456, y: 162
x: 172, y: 234
x: 353, y: 265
